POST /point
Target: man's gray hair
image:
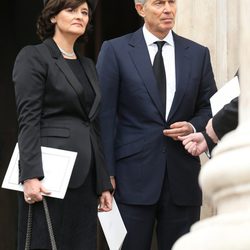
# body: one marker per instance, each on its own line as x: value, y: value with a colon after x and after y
x: 140, y: 1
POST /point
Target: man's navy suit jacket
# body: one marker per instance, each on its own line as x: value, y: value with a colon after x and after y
x: 132, y: 118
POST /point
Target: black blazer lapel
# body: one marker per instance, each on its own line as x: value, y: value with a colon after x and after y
x: 64, y: 67
x: 91, y: 74
x: 140, y: 57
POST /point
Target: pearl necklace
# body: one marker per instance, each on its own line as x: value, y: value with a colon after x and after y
x: 66, y: 53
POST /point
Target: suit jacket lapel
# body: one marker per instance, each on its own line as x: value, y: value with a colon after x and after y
x: 91, y: 75
x: 182, y: 68
x: 73, y: 81
x: 140, y: 57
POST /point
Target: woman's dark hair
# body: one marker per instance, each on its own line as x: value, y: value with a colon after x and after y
x: 46, y: 29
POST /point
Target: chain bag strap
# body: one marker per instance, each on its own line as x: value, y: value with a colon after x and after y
x: 46, y: 54
x: 48, y: 220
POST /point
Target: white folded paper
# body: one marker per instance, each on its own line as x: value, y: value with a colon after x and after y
x: 224, y: 95
x: 113, y: 227
x: 57, y: 166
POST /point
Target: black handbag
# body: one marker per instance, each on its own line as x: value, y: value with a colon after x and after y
x: 48, y: 220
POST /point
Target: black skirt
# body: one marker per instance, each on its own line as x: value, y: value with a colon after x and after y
x: 74, y: 219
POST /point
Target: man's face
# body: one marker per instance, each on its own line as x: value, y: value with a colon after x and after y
x: 159, y: 16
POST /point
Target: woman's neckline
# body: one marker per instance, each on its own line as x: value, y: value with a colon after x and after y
x: 73, y: 59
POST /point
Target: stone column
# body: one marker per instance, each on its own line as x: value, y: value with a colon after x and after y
x: 226, y: 178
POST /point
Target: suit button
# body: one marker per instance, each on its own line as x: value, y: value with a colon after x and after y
x: 164, y: 150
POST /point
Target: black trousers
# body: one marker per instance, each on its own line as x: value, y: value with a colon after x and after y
x: 172, y: 222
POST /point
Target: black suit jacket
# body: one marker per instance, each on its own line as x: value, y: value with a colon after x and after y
x: 51, y: 112
x: 226, y: 119
x: 223, y: 122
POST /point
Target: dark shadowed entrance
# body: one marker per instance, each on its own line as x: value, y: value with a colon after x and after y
x: 18, y: 18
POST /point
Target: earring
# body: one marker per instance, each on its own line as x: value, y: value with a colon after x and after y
x: 53, y: 20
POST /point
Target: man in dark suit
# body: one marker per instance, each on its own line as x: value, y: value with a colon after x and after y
x: 155, y: 178
x: 223, y: 122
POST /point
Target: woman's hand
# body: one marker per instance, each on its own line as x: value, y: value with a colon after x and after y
x: 105, y: 202
x: 33, y: 190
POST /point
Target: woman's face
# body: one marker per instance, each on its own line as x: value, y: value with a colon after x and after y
x: 72, y: 22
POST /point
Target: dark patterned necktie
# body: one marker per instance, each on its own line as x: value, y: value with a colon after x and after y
x: 159, y: 70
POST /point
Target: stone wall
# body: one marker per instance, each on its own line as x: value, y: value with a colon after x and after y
x: 213, y: 23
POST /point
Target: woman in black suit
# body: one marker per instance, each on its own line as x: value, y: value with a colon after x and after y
x: 58, y: 98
